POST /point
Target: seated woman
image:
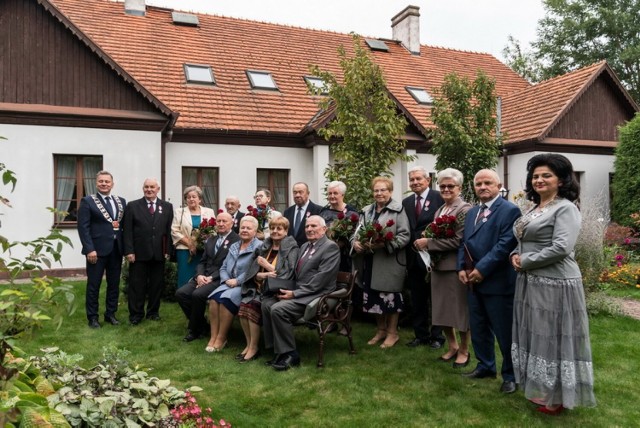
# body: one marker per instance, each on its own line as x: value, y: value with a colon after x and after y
x: 277, y: 257
x: 185, y: 219
x: 225, y: 300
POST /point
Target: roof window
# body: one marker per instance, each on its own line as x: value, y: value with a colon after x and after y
x: 420, y: 95
x: 261, y: 80
x: 377, y: 45
x: 316, y: 84
x: 186, y: 19
x: 199, y: 74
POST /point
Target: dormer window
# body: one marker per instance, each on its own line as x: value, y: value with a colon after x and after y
x: 261, y: 80
x: 199, y: 74
x: 420, y: 95
x: 315, y: 84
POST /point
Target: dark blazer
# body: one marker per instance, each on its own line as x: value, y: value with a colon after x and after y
x: 317, y: 274
x: 418, y: 225
x: 236, y: 221
x: 211, y: 261
x: 96, y: 232
x: 290, y: 214
x: 490, y: 244
x: 145, y: 235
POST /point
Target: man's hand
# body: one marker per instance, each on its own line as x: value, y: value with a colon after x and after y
x: 475, y: 276
x: 92, y: 257
x: 285, y: 294
x: 202, y: 280
x: 421, y: 244
x: 131, y: 258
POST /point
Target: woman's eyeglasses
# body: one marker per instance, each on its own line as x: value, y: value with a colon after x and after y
x: 447, y: 186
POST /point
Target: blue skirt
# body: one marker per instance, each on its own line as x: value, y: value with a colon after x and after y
x: 186, y: 268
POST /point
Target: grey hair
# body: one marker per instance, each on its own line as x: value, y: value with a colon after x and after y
x: 250, y: 219
x: 342, y: 188
x: 491, y: 172
x: 103, y: 172
x: 451, y: 173
x: 419, y: 169
x: 190, y: 189
x: 319, y: 218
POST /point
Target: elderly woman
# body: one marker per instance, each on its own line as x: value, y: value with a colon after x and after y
x: 551, y: 350
x: 185, y: 219
x: 337, y: 208
x: 277, y: 257
x: 225, y: 300
x: 382, y: 264
x: 264, y: 213
x: 448, y: 294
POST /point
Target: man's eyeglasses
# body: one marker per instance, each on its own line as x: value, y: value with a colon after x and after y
x: 447, y: 186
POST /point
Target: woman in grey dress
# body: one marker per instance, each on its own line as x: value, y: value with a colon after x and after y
x: 551, y: 350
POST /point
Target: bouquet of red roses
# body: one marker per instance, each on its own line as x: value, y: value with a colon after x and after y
x: 203, y: 232
x: 372, y: 232
x: 441, y: 228
x: 343, y: 226
x: 262, y: 214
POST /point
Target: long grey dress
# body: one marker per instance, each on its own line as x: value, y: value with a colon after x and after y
x: 551, y: 350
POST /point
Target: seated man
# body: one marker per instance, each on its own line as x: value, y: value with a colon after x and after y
x: 192, y: 296
x: 316, y: 271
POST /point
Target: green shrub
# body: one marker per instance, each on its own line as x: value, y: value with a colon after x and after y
x: 626, y: 180
x: 599, y: 304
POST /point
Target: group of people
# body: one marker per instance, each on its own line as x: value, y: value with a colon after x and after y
x: 477, y: 275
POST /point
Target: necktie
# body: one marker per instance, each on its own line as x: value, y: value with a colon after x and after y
x: 151, y: 208
x: 297, y: 220
x: 483, y: 207
x: 418, y: 206
x: 304, y: 257
x: 108, y: 206
x: 218, y: 244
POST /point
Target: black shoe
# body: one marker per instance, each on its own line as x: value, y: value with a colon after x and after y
x: 479, y: 374
x: 272, y: 361
x: 434, y: 344
x: 190, y: 337
x: 111, y: 319
x: 461, y: 365
x: 93, y: 323
x: 246, y: 360
x: 154, y: 317
x: 135, y: 321
x: 240, y: 356
x: 508, y: 387
x: 417, y: 342
x: 286, y: 363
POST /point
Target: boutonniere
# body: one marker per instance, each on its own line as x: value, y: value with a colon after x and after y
x: 426, y: 205
x: 225, y: 243
x: 485, y: 215
x: 159, y: 209
x: 308, y: 214
x: 313, y: 250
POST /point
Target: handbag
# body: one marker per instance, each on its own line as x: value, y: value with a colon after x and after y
x: 275, y: 284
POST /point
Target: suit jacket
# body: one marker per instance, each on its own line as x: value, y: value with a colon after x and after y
x: 448, y: 247
x: 418, y: 225
x: 490, y: 243
x: 96, y: 232
x: 290, y: 214
x: 236, y: 221
x: 145, y: 235
x: 211, y: 261
x: 182, y: 224
x: 317, y: 274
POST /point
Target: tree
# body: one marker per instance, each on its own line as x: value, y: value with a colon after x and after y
x: 522, y: 61
x: 576, y: 33
x: 367, y: 125
x: 464, y: 115
x: 626, y: 179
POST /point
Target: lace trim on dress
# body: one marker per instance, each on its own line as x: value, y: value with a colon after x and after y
x: 523, y: 221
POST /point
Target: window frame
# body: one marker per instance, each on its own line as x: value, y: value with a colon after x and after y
x: 79, y: 188
x: 214, y: 205
x: 411, y: 90
x: 253, y: 84
x: 322, y: 90
x: 189, y: 80
x: 271, y: 186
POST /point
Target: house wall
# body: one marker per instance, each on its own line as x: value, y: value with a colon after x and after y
x: 130, y: 156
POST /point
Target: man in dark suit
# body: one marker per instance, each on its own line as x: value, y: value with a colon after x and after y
x: 483, y: 265
x: 147, y: 239
x: 316, y: 272
x: 192, y: 296
x: 99, y: 218
x: 420, y: 208
x: 232, y: 205
x: 298, y: 213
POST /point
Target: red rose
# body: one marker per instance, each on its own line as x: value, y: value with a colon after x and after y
x: 439, y: 221
x: 450, y: 233
x: 250, y: 208
x: 212, y: 222
x: 433, y: 227
x: 388, y: 236
x: 262, y: 207
x: 377, y: 227
x: 390, y: 222
x: 220, y: 210
x: 340, y: 215
x: 254, y: 212
x: 203, y: 223
x: 370, y: 233
x: 354, y: 217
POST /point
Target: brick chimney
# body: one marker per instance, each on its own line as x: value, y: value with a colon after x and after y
x: 134, y: 7
x: 406, y: 28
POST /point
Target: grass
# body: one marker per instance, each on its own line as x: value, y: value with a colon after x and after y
x: 374, y: 388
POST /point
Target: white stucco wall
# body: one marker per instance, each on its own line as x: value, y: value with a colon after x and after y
x: 130, y: 156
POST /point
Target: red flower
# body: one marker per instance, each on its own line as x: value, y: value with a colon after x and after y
x: 433, y: 227
x: 378, y: 227
x: 370, y: 233
x: 220, y: 210
x: 212, y: 222
x: 203, y: 223
x: 262, y: 207
x: 439, y: 220
x: 388, y: 236
x: 354, y: 217
x: 450, y: 233
x: 390, y: 222
x: 340, y: 215
x: 249, y: 208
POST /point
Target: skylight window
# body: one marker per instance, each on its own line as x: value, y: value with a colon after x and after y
x: 199, y: 74
x: 261, y: 80
x: 377, y: 45
x: 420, y: 95
x: 186, y: 19
x: 316, y: 84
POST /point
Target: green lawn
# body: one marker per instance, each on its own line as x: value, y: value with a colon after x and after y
x: 375, y: 387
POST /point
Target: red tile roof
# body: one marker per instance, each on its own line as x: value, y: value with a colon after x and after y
x: 153, y: 51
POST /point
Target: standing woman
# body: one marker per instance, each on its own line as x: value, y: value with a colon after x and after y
x: 185, y: 219
x: 265, y: 212
x: 448, y: 295
x: 383, y: 264
x: 551, y: 350
x: 276, y: 258
x: 338, y: 208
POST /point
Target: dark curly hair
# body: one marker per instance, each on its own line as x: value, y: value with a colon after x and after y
x: 561, y: 167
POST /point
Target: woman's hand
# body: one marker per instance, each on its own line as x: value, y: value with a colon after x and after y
x: 265, y: 275
x: 421, y: 244
x: 516, y: 262
x: 358, y: 247
x: 232, y: 282
x: 264, y: 264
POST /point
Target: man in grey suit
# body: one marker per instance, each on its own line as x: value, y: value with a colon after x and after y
x: 316, y: 272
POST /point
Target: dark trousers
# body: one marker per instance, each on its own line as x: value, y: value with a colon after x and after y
x: 278, y: 317
x: 491, y: 315
x: 146, y: 282
x: 112, y: 265
x: 193, y: 301
x: 421, y: 305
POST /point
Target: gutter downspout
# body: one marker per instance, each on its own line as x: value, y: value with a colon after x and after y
x: 167, y: 135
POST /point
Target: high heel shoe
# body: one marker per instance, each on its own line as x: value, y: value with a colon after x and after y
x: 461, y: 365
x: 448, y: 359
x: 552, y: 412
x: 239, y: 356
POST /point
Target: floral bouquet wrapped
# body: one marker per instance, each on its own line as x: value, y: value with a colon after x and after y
x: 441, y: 228
x: 343, y: 227
x: 372, y: 232
x: 203, y: 232
x: 262, y: 214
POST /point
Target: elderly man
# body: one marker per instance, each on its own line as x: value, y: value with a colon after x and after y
x: 99, y: 218
x: 316, y: 271
x: 192, y: 297
x: 232, y: 205
x: 483, y: 265
x: 420, y: 208
x: 299, y: 212
x: 147, y: 238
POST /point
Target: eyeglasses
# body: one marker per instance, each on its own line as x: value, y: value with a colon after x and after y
x: 447, y: 186
x: 259, y: 196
